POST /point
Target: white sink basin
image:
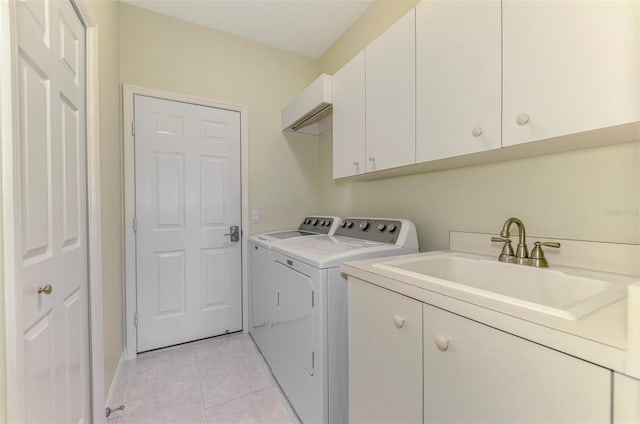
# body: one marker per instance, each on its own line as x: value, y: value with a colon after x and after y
x: 563, y: 292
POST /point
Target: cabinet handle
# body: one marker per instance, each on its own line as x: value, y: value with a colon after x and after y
x: 522, y: 119
x: 442, y: 343
x: 372, y: 159
x: 398, y: 321
x: 476, y: 132
x: 356, y: 165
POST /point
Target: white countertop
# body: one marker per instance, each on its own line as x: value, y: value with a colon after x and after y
x: 609, y: 337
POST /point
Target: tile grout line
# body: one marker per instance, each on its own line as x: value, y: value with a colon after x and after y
x: 204, y: 406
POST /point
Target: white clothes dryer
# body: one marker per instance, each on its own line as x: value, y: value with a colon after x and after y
x: 260, y: 271
x: 309, y: 319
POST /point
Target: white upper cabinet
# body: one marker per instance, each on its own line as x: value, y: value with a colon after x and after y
x: 568, y: 67
x: 458, y: 73
x: 390, y: 97
x: 349, y: 119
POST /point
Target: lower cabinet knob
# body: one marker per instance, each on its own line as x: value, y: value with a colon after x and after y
x: 476, y: 132
x: 522, y: 119
x: 398, y: 321
x: 442, y: 343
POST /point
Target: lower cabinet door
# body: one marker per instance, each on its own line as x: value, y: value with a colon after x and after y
x: 477, y: 374
x: 385, y: 355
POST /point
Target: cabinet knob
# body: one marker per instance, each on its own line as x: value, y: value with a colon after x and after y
x: 442, y: 343
x: 522, y: 119
x: 398, y: 321
x: 476, y: 132
x: 356, y: 165
x: 372, y: 159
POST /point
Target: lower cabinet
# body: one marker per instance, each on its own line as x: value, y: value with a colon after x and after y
x: 412, y: 362
x: 475, y: 373
x: 385, y: 356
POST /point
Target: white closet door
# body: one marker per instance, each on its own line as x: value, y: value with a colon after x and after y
x: 51, y: 210
x: 187, y: 160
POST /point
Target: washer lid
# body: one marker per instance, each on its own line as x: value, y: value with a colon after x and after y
x: 331, y: 251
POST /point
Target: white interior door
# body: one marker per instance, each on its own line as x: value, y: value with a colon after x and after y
x: 51, y: 212
x: 189, y: 280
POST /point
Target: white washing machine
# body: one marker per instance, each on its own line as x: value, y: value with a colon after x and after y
x: 309, y: 356
x: 261, y: 293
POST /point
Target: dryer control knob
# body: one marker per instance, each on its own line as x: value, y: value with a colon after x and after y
x: 314, y: 222
x: 364, y: 225
x: 381, y: 227
x: 391, y: 228
x: 344, y: 224
x: 349, y: 224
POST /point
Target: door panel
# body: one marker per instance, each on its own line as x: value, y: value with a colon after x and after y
x: 293, y: 321
x: 187, y: 196
x: 52, y: 211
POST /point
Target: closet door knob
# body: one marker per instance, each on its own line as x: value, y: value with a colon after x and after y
x: 46, y: 289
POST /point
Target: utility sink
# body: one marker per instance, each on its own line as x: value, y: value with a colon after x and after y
x: 563, y: 292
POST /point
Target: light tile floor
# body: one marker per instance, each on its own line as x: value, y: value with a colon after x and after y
x: 219, y: 380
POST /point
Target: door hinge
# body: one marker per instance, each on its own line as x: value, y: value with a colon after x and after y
x: 133, y: 127
x: 135, y: 224
x: 135, y: 320
x: 313, y: 359
x: 313, y: 299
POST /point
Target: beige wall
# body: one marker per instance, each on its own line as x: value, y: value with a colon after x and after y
x: 588, y: 195
x: 169, y: 54
x: 106, y: 16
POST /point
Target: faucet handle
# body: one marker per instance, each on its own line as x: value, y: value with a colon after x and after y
x: 507, y: 254
x: 537, y: 257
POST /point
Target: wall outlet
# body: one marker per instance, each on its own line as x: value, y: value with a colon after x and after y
x: 256, y: 216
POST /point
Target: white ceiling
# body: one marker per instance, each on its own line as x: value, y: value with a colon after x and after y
x: 306, y: 27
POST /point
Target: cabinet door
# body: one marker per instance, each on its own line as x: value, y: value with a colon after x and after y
x: 626, y: 399
x: 390, y: 97
x: 568, y: 66
x: 475, y: 373
x: 458, y: 74
x: 349, y: 119
x: 385, y: 355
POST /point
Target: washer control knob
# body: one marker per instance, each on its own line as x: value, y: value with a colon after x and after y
x: 381, y: 227
x: 344, y: 224
x: 327, y: 223
x: 307, y: 221
x: 391, y: 228
x: 349, y: 224
x: 314, y: 221
x: 364, y: 225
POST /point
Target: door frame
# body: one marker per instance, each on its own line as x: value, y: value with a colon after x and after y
x: 11, y: 380
x: 128, y: 93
